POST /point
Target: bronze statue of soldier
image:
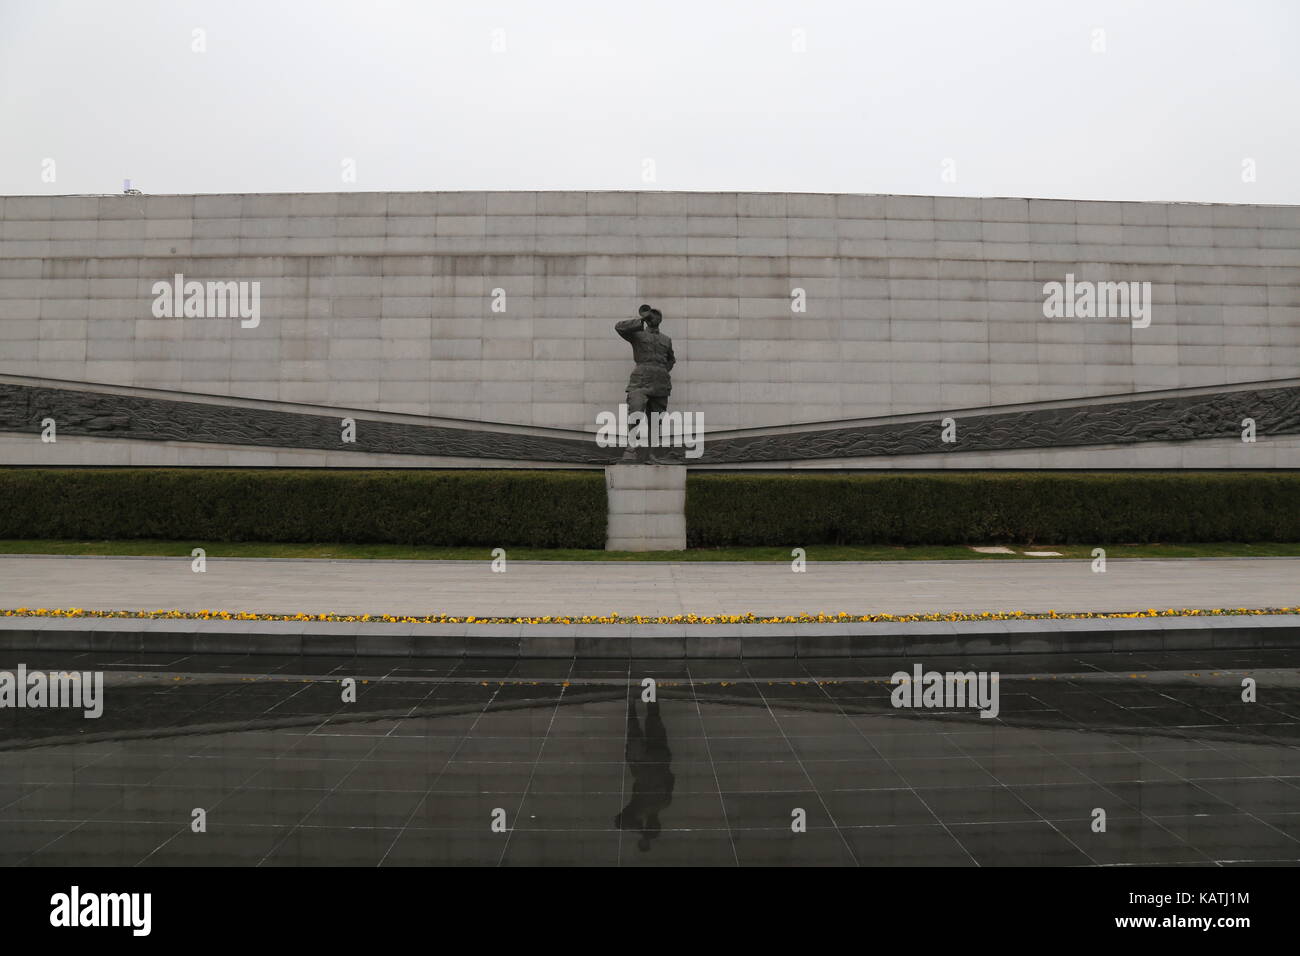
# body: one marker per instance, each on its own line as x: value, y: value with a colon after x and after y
x: 649, y: 385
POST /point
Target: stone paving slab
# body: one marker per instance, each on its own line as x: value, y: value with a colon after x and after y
x: 527, y: 589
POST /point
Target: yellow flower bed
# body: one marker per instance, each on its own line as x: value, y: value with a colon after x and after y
x: 843, y: 617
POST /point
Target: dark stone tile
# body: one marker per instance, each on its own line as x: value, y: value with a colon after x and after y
x: 562, y: 848
x: 1233, y: 837
x: 105, y: 843
x: 424, y: 847
x: 749, y: 775
x: 580, y: 778
x: 1072, y: 801
x: 877, y: 808
x: 786, y: 848
x: 677, y: 848
x: 411, y: 774
x: 415, y: 775
x: 466, y: 811
x: 542, y: 811
x: 63, y: 802
x: 1031, y: 769
x: 926, y: 845
x: 749, y: 748
x: 332, y: 846
x: 873, y: 773
x: 774, y: 809
x: 1169, y: 798
x: 837, y: 747
x: 942, y: 772
x: 1018, y: 844
x: 976, y: 805
x: 266, y: 806
x: 225, y: 845
x: 1133, y: 841
x: 363, y: 808
x: 1257, y: 795
x: 20, y: 838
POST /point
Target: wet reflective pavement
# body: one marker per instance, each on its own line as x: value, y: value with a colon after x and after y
x: 563, y: 763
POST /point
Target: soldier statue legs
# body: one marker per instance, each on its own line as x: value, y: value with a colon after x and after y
x: 639, y: 400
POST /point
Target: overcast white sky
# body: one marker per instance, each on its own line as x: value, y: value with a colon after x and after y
x: 713, y: 92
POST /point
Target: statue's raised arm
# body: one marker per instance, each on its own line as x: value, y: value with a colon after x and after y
x: 628, y: 328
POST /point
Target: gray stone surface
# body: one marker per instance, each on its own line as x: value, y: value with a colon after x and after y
x: 384, y: 301
x: 646, y: 507
x: 1275, y: 411
x: 108, y: 415
x: 1269, y: 452
x: 643, y: 588
x: 1165, y: 422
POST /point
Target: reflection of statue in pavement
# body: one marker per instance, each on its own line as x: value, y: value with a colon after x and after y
x: 649, y: 759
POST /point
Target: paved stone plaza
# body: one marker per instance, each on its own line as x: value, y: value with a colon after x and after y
x: 582, y: 772
x: 646, y: 588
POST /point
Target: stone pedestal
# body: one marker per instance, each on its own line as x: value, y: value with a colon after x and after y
x: 647, y: 507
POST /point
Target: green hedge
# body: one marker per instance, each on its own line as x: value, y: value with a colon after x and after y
x: 974, y: 508
x: 539, y: 509
x: 566, y: 509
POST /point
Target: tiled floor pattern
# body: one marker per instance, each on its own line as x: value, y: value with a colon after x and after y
x: 562, y: 762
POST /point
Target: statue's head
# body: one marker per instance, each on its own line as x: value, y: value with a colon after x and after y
x: 651, y: 316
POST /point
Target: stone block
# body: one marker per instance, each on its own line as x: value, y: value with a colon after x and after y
x: 646, y: 507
